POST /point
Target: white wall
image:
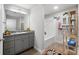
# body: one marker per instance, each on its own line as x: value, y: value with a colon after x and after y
x: 2, y: 20
x: 37, y: 24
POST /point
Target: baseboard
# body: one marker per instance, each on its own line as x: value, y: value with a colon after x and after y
x: 38, y: 49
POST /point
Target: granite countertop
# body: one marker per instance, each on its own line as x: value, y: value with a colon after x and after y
x: 18, y: 33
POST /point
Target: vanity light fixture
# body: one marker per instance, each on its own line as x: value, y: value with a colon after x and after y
x: 19, y: 11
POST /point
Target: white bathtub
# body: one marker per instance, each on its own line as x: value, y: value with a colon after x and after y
x: 53, y: 39
x: 49, y: 40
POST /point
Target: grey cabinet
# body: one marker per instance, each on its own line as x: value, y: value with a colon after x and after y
x: 17, y: 43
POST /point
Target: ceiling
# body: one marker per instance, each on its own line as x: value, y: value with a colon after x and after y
x: 27, y: 6
x: 49, y: 8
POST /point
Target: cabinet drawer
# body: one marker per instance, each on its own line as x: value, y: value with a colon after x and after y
x: 18, y: 36
x: 7, y: 38
x: 24, y: 36
x: 8, y: 44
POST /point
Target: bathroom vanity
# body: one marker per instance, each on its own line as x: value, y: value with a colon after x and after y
x: 18, y: 42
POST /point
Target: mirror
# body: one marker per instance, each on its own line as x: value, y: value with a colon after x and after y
x: 17, y: 18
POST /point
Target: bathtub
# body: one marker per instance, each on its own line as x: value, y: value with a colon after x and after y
x: 56, y: 38
x: 49, y: 40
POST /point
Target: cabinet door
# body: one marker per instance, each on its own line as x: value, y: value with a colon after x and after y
x: 12, y: 52
x: 7, y: 45
x: 9, y: 51
x: 25, y: 41
x: 6, y: 51
x: 31, y: 39
x: 18, y: 45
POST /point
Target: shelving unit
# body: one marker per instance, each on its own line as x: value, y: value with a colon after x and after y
x: 70, y: 30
